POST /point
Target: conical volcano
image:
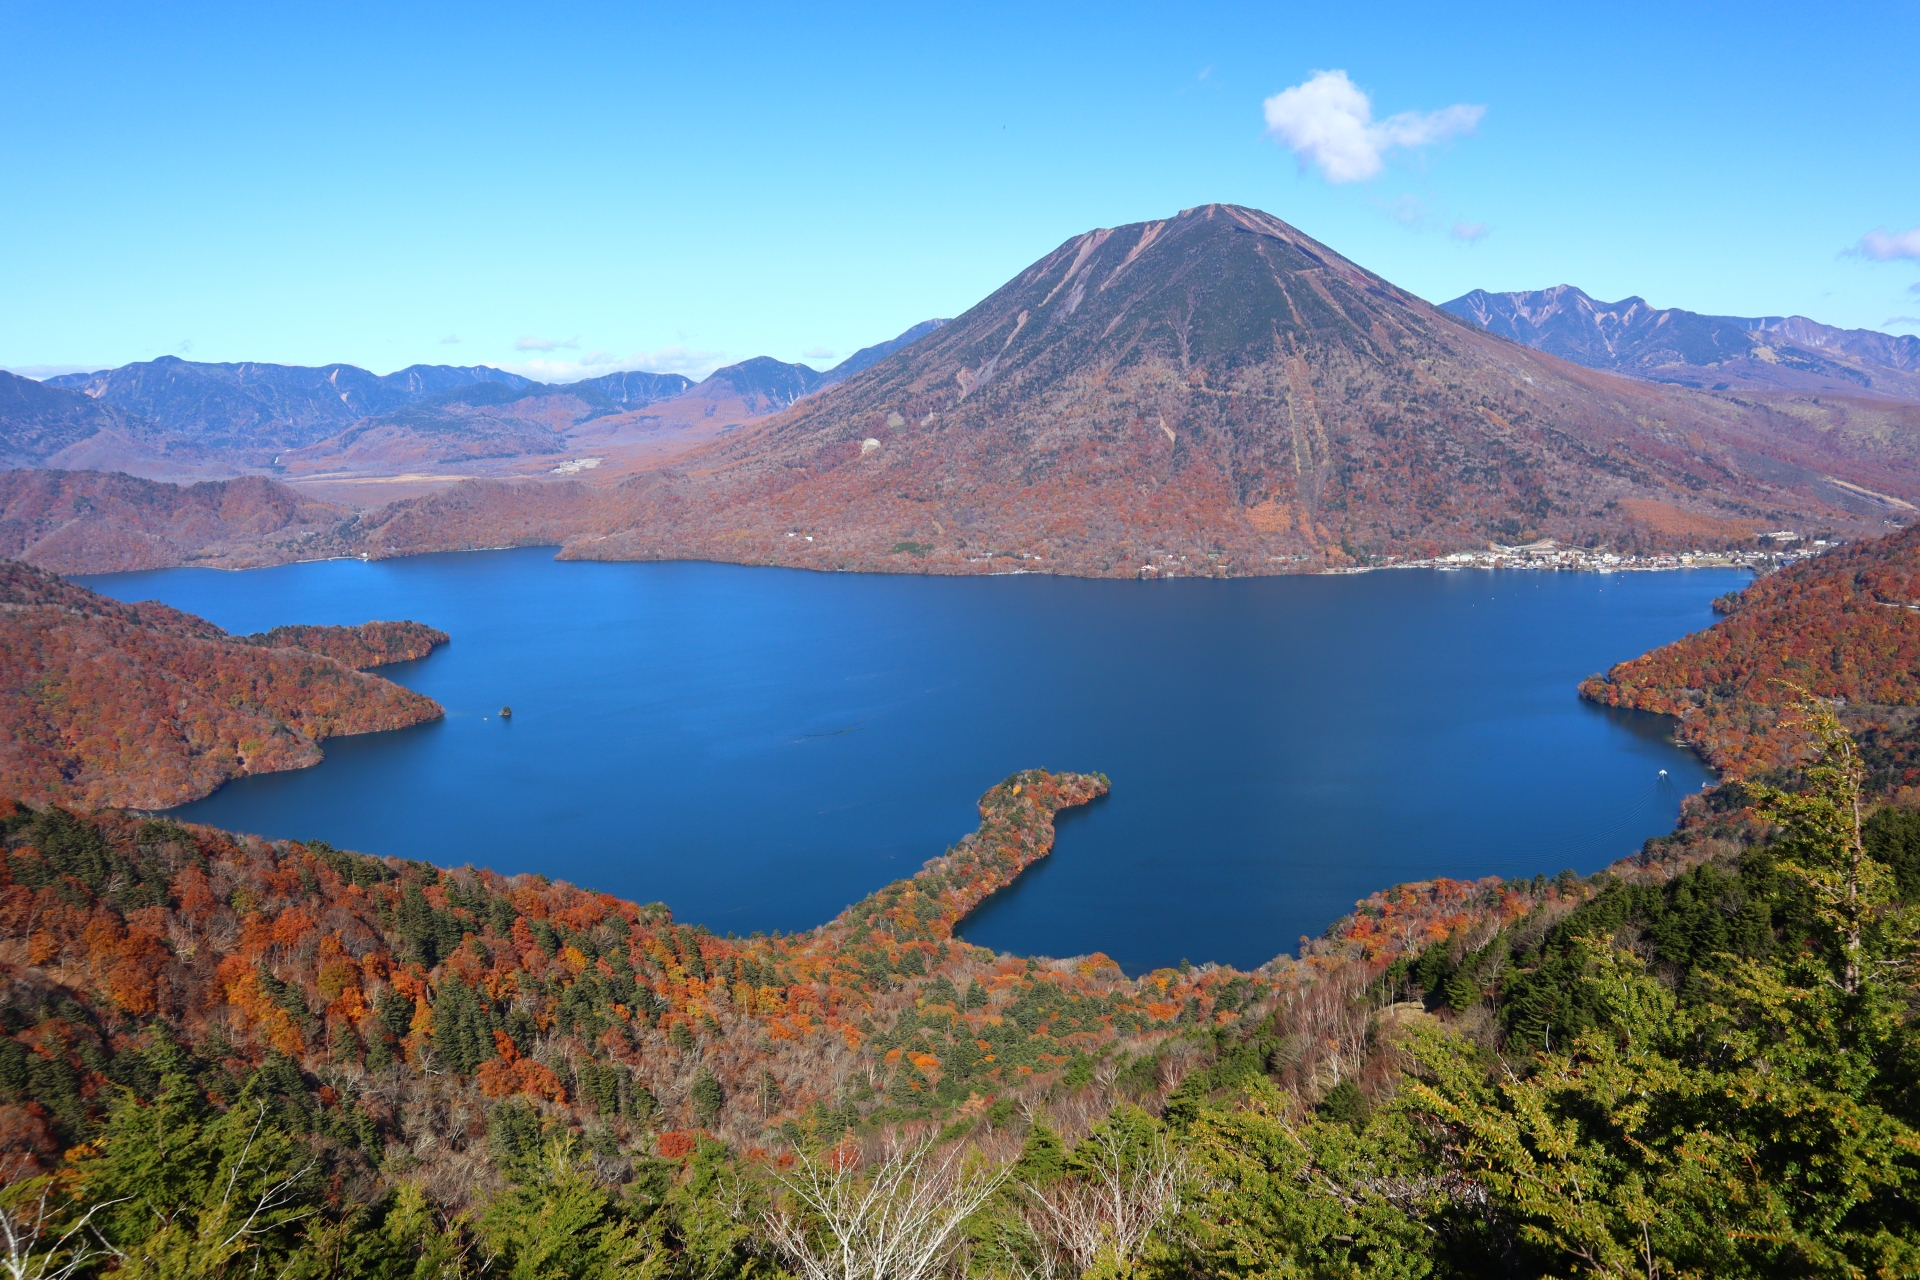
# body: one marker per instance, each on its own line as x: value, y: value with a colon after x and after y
x: 1220, y: 393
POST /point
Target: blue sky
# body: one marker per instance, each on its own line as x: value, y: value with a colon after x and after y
x: 671, y: 187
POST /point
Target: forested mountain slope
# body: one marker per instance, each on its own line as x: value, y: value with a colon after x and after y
x: 109, y: 522
x: 108, y: 704
x: 398, y: 1070
x: 1844, y: 625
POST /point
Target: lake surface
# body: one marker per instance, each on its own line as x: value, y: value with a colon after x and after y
x: 759, y: 747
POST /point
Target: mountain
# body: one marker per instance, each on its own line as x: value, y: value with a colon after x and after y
x: 102, y: 522
x: 763, y: 384
x: 866, y: 356
x: 634, y: 389
x: 177, y: 419
x: 498, y: 428
x: 255, y: 410
x: 1213, y: 393
x: 474, y: 423
x: 492, y: 429
x: 1719, y: 353
x: 43, y: 425
x: 1218, y: 393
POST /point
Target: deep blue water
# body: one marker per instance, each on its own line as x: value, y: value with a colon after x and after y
x: 759, y: 747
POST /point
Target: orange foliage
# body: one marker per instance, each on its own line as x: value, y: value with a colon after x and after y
x: 1841, y: 625
x: 104, y: 704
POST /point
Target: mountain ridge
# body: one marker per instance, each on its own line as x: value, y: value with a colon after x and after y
x: 253, y: 406
x: 1211, y: 393
x: 1688, y: 348
x: 171, y: 418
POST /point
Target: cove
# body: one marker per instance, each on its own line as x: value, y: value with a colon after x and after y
x: 759, y: 747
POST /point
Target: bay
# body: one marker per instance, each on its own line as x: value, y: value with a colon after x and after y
x: 759, y: 747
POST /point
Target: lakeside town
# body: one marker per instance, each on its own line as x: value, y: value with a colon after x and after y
x: 1775, y: 550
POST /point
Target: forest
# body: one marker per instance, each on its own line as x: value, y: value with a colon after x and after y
x: 1843, y: 625
x: 225, y: 1057
x: 105, y: 704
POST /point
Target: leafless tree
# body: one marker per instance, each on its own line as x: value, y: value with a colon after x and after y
x: 31, y: 1251
x: 1111, y: 1208
x: 897, y: 1217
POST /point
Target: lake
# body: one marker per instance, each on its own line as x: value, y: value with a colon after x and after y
x: 759, y: 747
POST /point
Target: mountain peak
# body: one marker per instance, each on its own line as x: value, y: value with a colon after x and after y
x: 1777, y: 353
x: 1216, y: 392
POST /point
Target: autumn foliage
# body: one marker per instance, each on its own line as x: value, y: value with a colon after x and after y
x: 371, y: 644
x: 109, y: 704
x: 113, y: 928
x: 1843, y: 625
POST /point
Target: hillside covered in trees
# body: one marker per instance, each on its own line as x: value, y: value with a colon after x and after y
x: 224, y: 1056
x: 229, y: 1057
x: 110, y: 704
x: 1844, y: 625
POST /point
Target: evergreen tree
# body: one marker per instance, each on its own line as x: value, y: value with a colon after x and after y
x: 706, y: 1097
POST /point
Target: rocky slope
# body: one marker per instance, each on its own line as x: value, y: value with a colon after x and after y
x: 1721, y: 353
x: 108, y: 704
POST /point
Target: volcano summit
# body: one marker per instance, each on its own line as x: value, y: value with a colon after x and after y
x: 1222, y: 386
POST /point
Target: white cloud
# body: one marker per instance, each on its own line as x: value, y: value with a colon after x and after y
x: 451, y: 340
x: 1903, y: 321
x: 1914, y: 288
x: 1328, y: 123
x: 544, y: 344
x: 1469, y: 231
x: 1883, y: 245
x: 694, y: 364
x: 817, y: 353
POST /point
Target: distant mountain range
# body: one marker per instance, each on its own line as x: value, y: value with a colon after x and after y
x: 171, y: 417
x: 1717, y: 353
x: 866, y: 357
x: 256, y: 407
x: 43, y: 423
